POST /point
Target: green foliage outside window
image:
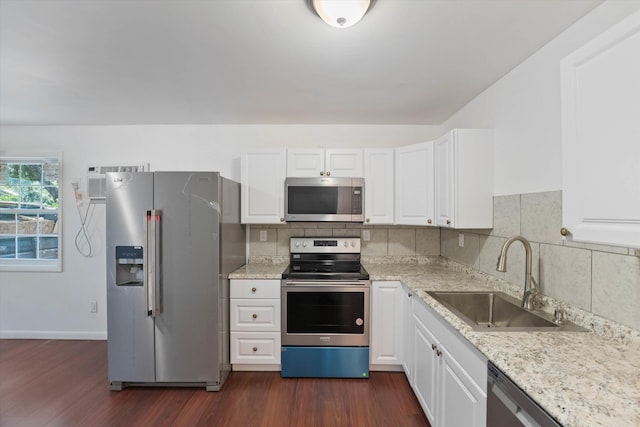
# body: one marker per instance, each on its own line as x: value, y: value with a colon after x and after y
x: 29, y: 211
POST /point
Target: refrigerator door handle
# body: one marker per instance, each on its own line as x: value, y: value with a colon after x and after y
x: 155, y: 254
x: 147, y: 270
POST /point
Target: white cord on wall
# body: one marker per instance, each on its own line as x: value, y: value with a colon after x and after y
x: 83, y: 233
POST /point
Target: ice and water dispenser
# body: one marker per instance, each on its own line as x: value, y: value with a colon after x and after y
x: 129, y: 265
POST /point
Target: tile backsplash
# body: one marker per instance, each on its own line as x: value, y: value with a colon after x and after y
x: 384, y: 240
x: 603, y: 280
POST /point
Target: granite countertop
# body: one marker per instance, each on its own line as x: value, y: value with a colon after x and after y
x: 580, y: 378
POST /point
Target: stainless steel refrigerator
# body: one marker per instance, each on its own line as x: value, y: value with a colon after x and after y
x: 172, y: 240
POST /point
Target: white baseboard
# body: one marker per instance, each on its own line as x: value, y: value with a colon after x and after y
x: 255, y: 367
x: 53, y: 335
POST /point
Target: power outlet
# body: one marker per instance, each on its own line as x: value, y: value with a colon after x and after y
x: 263, y: 235
x: 93, y: 306
x: 461, y: 240
x: 366, y: 235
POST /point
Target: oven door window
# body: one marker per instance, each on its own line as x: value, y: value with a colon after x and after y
x: 325, y: 312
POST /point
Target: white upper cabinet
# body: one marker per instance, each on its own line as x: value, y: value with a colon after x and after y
x: 414, y: 204
x: 378, y: 178
x: 464, y: 179
x: 332, y: 162
x: 601, y: 138
x: 263, y: 174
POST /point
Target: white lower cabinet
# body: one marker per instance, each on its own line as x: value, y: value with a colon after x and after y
x: 449, y: 375
x: 255, y: 325
x: 407, y: 333
x: 386, y: 326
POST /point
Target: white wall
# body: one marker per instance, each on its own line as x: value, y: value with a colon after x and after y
x: 524, y: 108
x: 56, y: 305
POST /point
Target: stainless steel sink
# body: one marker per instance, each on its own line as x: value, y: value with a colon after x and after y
x: 497, y: 311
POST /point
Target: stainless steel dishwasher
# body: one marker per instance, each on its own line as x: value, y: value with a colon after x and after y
x: 509, y: 406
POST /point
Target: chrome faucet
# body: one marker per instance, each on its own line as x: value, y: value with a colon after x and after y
x: 530, y: 285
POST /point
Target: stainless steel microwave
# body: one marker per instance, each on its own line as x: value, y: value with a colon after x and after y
x: 324, y: 199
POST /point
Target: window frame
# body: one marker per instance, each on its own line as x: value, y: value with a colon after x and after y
x: 37, y: 264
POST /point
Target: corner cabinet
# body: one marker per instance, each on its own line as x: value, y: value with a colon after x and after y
x: 464, y: 179
x: 378, y: 188
x: 386, y: 326
x: 414, y: 183
x: 601, y: 138
x: 449, y: 375
x: 332, y: 162
x: 262, y: 183
x: 255, y: 325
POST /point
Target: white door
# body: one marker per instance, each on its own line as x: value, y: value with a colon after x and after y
x: 414, y: 184
x: 407, y: 334
x: 345, y: 163
x: 444, y: 180
x: 378, y: 179
x: 601, y: 138
x: 263, y: 174
x: 463, y: 403
x: 305, y: 162
x: 426, y: 369
x: 386, y: 323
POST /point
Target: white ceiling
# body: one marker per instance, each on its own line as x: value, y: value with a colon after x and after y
x: 261, y: 61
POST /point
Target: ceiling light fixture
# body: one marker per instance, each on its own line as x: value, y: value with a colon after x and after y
x: 340, y: 13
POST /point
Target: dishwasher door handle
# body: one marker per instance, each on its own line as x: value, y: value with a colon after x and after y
x: 523, y: 416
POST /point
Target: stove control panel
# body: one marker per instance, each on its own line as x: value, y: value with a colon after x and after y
x: 324, y: 245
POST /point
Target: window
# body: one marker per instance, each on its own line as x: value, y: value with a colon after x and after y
x: 30, y: 214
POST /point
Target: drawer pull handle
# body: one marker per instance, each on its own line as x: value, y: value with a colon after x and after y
x: 253, y: 290
x: 255, y: 316
x: 255, y: 349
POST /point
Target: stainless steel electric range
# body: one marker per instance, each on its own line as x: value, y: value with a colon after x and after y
x: 325, y: 309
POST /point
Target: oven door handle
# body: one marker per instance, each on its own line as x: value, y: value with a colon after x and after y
x: 324, y: 283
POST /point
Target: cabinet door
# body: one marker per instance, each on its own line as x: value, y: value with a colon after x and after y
x: 386, y: 323
x: 378, y: 178
x: 464, y: 179
x: 463, y: 402
x: 414, y: 184
x: 600, y: 138
x: 444, y: 176
x: 263, y: 173
x: 305, y: 162
x: 344, y: 163
x: 407, y: 334
x: 425, y: 376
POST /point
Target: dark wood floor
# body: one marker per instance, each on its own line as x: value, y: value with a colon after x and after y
x: 64, y: 383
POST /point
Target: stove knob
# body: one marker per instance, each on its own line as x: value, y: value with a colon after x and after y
x: 304, y: 244
x: 297, y: 244
x: 346, y: 244
x: 353, y: 244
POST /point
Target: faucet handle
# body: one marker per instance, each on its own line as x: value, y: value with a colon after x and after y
x: 559, y: 316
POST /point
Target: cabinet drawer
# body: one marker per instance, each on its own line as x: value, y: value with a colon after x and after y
x: 255, y: 315
x: 255, y: 347
x: 255, y: 289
